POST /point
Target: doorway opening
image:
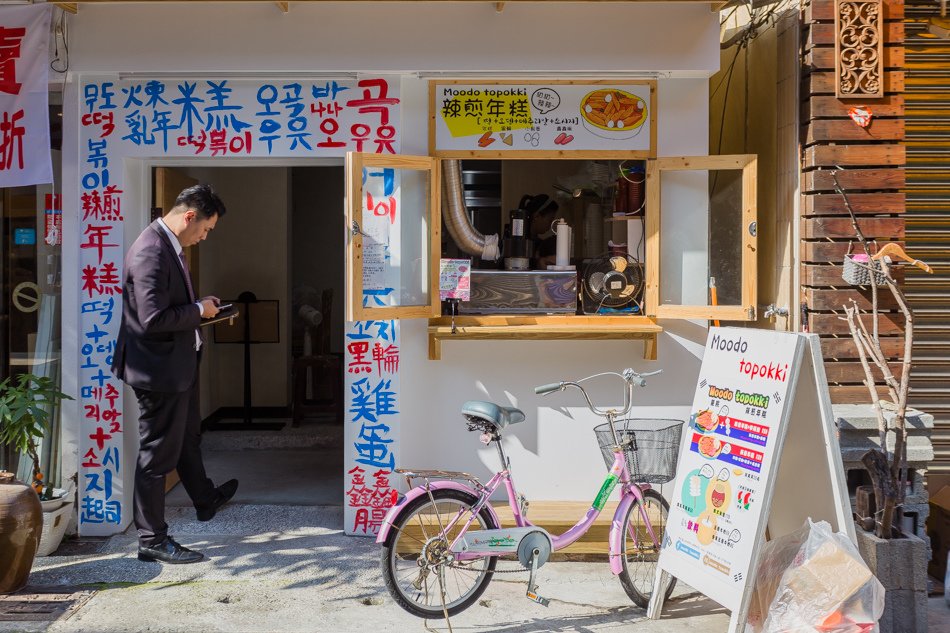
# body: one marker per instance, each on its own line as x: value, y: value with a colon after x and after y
x: 271, y: 392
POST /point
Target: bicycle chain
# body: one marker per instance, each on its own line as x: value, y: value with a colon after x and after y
x: 516, y: 570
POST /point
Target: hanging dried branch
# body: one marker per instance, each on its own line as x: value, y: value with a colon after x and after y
x: 888, y: 470
x: 853, y: 315
x: 864, y: 244
x: 877, y: 354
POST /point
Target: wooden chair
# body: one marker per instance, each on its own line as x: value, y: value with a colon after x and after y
x: 326, y: 372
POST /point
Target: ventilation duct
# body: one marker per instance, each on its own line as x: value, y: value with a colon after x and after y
x: 456, y: 218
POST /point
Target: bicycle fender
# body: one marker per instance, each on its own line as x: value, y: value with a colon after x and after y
x: 616, y: 534
x: 415, y: 493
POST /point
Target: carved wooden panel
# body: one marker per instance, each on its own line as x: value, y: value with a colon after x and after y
x: 859, y: 55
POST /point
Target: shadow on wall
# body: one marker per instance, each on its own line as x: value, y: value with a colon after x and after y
x: 558, y: 428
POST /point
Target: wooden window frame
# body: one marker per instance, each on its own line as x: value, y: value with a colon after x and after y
x: 746, y: 311
x: 355, y: 162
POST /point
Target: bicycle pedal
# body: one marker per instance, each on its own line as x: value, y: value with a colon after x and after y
x: 533, y: 597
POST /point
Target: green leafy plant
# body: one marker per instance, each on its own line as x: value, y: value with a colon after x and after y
x: 25, y: 404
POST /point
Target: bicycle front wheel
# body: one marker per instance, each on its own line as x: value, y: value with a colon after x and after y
x: 641, y: 551
x: 414, y: 564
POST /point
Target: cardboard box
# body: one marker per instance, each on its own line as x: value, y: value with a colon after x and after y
x: 938, y: 529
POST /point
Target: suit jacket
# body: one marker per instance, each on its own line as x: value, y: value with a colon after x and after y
x: 155, y: 349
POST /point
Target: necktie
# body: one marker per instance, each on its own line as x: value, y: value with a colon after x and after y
x: 191, y: 293
x: 184, y: 265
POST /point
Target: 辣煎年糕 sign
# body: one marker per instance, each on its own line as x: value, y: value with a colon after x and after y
x: 572, y: 118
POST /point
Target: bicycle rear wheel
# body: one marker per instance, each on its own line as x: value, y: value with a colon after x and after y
x: 412, y: 558
x: 641, y: 552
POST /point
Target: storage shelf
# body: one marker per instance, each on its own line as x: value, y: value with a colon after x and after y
x: 544, y: 328
x: 624, y: 218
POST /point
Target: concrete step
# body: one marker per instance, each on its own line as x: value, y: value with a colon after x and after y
x: 309, y: 435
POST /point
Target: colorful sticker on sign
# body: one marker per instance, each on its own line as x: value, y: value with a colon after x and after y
x: 53, y: 225
x: 455, y: 279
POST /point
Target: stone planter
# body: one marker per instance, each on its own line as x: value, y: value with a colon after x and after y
x: 901, y: 566
x: 858, y: 433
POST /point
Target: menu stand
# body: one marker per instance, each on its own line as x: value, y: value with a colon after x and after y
x: 258, y: 322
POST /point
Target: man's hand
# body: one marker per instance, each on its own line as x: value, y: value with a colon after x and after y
x: 209, y: 307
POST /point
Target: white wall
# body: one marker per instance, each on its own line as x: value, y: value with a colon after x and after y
x: 558, y: 430
x: 397, y: 37
x: 256, y: 39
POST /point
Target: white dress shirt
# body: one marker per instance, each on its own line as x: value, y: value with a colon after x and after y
x: 178, y: 251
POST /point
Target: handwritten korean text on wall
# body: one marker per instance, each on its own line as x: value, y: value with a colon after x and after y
x: 193, y: 118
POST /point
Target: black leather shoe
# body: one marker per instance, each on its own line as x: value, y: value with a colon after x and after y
x: 168, y: 551
x: 223, y: 494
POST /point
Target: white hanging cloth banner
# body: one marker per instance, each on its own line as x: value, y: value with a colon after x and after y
x: 25, y: 157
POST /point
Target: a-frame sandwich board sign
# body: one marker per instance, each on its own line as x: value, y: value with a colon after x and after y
x: 759, y: 456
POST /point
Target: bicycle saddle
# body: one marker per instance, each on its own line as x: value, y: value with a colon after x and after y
x: 491, y: 412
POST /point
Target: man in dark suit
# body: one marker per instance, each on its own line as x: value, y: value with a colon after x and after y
x: 157, y: 354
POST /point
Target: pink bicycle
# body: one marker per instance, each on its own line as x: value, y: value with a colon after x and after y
x: 442, y: 540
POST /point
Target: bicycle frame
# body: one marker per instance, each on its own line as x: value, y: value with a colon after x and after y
x: 630, y: 492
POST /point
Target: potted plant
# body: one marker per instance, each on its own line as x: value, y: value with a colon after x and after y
x: 25, y: 404
x: 896, y: 558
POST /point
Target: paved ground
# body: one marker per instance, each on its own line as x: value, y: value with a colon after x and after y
x: 278, y: 564
x: 290, y: 569
x: 285, y: 568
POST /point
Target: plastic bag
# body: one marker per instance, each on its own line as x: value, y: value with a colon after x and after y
x: 814, y: 581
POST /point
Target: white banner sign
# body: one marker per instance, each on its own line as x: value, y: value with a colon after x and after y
x: 24, y: 111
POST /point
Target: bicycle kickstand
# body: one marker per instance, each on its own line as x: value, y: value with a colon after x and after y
x: 532, y: 594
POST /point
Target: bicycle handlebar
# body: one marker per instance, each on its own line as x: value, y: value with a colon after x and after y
x: 632, y: 378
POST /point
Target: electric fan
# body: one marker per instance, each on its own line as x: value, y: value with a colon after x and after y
x: 612, y: 284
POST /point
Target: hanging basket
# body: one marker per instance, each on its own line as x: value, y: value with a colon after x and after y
x: 856, y: 272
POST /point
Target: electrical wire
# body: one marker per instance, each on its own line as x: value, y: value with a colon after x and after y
x: 728, y: 70
x: 64, y: 58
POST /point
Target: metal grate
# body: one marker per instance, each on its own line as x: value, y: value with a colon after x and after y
x: 44, y: 604
x: 927, y: 110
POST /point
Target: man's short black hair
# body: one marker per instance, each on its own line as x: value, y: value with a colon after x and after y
x: 202, y: 199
